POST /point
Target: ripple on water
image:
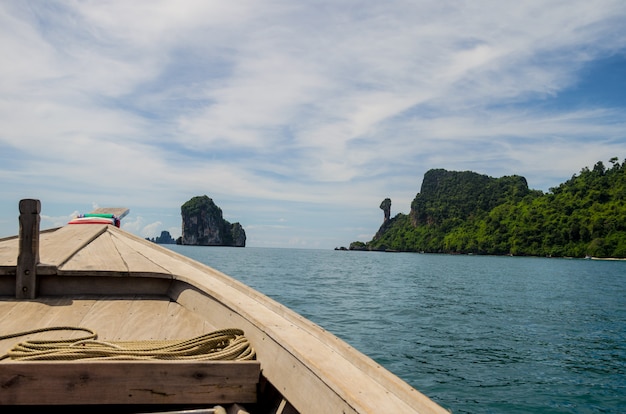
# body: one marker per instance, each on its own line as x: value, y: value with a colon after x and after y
x: 477, y: 334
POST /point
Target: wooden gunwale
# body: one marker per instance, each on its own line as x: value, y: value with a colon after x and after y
x: 313, y: 369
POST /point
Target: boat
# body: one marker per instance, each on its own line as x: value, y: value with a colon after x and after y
x: 101, y: 302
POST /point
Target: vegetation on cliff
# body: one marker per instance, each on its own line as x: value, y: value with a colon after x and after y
x: 466, y: 212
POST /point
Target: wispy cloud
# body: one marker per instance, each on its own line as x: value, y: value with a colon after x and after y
x: 267, y: 102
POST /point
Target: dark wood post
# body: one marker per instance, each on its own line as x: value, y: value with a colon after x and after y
x: 26, y: 276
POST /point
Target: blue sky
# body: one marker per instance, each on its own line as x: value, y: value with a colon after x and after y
x: 297, y: 118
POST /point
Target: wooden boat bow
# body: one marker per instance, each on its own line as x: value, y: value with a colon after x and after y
x: 128, y: 288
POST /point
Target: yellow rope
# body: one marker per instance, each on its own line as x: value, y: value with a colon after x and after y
x: 225, y: 344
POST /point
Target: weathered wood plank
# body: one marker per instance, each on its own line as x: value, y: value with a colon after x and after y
x: 59, y: 246
x: 108, y: 316
x: 138, y: 321
x: 20, y: 315
x: 100, y: 255
x: 9, y: 249
x: 28, y: 257
x: 69, y: 312
x: 140, y: 254
x: 181, y: 323
x: 128, y: 382
x: 83, y: 283
x: 112, y: 318
x: 136, y: 262
x: 175, y: 265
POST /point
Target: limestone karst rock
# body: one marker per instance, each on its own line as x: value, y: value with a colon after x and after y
x: 385, y: 206
x: 204, y: 225
x: 165, y: 238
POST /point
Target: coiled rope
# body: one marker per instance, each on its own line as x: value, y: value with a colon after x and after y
x: 221, y: 345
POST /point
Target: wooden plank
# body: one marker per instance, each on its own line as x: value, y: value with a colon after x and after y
x: 141, y: 321
x: 28, y: 257
x: 182, y: 323
x: 171, y: 263
x: 9, y: 249
x: 20, y: 316
x: 142, y: 256
x: 136, y: 262
x: 138, y: 318
x: 112, y: 318
x: 128, y: 382
x: 108, y: 316
x: 100, y: 255
x: 59, y: 246
x: 68, y: 312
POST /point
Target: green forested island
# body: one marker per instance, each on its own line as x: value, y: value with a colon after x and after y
x: 466, y: 212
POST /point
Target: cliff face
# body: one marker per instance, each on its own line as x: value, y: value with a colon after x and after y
x: 448, y: 201
x: 462, y: 194
x: 165, y: 238
x: 204, y: 225
x: 238, y: 235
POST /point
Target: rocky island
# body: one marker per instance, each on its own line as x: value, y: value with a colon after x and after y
x: 164, y: 238
x: 204, y: 225
x: 463, y: 212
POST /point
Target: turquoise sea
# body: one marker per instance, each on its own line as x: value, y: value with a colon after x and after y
x: 477, y: 334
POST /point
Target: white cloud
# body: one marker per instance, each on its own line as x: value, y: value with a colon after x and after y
x: 133, y: 224
x: 152, y: 230
x: 147, y: 103
x: 175, y: 232
x: 47, y: 221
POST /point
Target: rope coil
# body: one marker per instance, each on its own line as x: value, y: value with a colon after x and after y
x: 221, y: 345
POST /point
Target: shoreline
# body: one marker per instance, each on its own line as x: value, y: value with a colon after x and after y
x: 616, y: 259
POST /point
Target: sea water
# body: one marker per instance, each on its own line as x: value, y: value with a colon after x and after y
x: 477, y: 334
